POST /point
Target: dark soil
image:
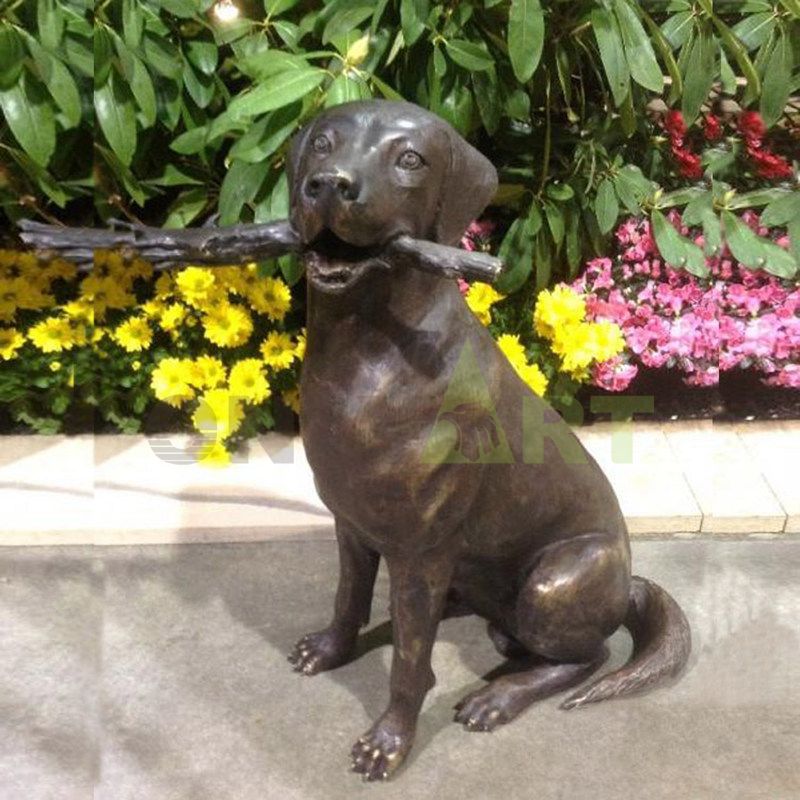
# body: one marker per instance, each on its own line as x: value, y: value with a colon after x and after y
x: 740, y: 396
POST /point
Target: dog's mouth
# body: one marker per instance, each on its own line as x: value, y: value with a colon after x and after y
x: 333, y: 264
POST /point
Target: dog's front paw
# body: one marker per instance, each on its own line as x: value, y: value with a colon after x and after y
x: 381, y: 750
x: 324, y: 650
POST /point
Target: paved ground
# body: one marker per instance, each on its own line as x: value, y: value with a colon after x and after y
x: 159, y: 674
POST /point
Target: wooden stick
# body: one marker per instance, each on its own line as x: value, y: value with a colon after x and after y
x: 235, y: 244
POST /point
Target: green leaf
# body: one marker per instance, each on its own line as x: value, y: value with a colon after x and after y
x: 631, y: 187
x: 755, y: 29
x: 180, y: 8
x: 200, y: 86
x: 677, y: 28
x: 59, y: 82
x: 280, y: 90
x: 40, y: 176
x: 525, y: 37
x: 487, y: 98
x: 117, y: 118
x: 51, y: 23
x: 123, y: 175
x: 676, y: 250
x: 186, y: 208
x: 560, y: 192
x: 609, y: 42
x: 700, y: 211
x: 202, y: 55
x: 162, y: 56
x: 754, y: 252
x: 777, y: 84
x: 439, y: 62
x: 173, y: 176
x: 413, y: 14
x: 385, y: 89
x: 29, y: 115
x: 240, y: 186
x: 516, y: 252
x: 145, y: 95
x: 11, y: 57
x: 469, y: 55
x: 264, y: 137
x: 344, y: 89
x: 555, y: 221
x: 277, y: 7
x: 699, y: 75
x: 782, y: 210
x: 345, y: 20
x: 638, y: 50
x: 606, y: 205
x: 132, y: 23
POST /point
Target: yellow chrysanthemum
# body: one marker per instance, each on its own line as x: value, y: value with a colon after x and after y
x: 172, y: 316
x: 248, y: 381
x: 11, y: 292
x: 556, y: 308
x: 218, y: 415
x: 105, y: 293
x: 165, y: 286
x: 574, y: 343
x: 80, y: 310
x: 270, y: 296
x: 170, y: 381
x: 534, y: 377
x: 512, y: 348
x: 153, y: 308
x: 607, y: 340
x: 134, y: 335
x: 207, y: 372
x: 300, y: 346
x: 139, y: 268
x: 10, y: 341
x: 278, y: 350
x: 195, y: 284
x: 214, y: 455
x: 227, y: 325
x: 59, y: 268
x: 480, y: 298
x: 53, y: 335
x: 240, y: 280
x: 291, y: 397
x: 54, y: 366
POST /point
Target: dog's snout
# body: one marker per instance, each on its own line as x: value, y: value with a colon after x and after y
x: 340, y: 183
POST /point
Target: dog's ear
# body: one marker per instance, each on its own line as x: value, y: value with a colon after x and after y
x: 469, y: 185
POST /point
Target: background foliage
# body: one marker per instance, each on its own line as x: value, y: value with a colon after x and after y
x: 159, y: 111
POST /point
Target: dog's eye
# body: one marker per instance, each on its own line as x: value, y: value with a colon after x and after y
x: 321, y: 144
x: 410, y: 159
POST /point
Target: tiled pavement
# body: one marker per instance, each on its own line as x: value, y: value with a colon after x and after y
x: 679, y: 479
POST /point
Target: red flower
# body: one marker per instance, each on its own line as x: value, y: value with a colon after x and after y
x: 752, y: 127
x: 689, y: 164
x: 769, y: 165
x: 675, y: 125
x: 712, y: 128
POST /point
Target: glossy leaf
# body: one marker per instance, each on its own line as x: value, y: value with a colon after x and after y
x: 468, y: 54
x: 117, y: 118
x: 638, y: 51
x: 525, y: 37
x: 609, y: 42
x: 676, y: 250
x: 240, y: 186
x: 777, y: 84
x: 29, y: 115
x: 606, y: 205
x: 753, y: 251
x: 280, y: 90
x: 11, y: 55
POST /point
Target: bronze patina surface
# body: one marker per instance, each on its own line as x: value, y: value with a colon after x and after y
x: 428, y: 448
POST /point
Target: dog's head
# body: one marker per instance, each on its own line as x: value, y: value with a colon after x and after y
x: 363, y: 173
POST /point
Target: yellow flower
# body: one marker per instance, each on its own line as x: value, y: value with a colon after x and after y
x: 55, y: 366
x: 195, y: 284
x: 11, y: 292
x: 136, y: 365
x: 270, y: 296
x: 53, y: 335
x: 247, y: 381
x: 219, y: 414
x: 558, y: 307
x: 59, y: 268
x: 139, y: 268
x: 214, y: 455
x: 534, y: 377
x: 172, y: 316
x: 134, y: 335
x: 291, y: 397
x: 208, y: 372
x: 574, y: 343
x: 165, y: 286
x: 80, y: 310
x: 300, y: 346
x: 278, y: 350
x: 227, y: 325
x: 513, y: 349
x: 480, y: 298
x: 170, y: 381
x: 153, y: 308
x: 10, y: 341
x: 104, y: 293
x: 607, y: 340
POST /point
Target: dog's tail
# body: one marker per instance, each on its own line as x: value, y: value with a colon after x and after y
x: 662, y: 642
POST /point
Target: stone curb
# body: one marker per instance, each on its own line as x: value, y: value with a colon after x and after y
x: 675, y: 479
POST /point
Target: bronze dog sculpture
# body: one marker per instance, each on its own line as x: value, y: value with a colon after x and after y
x: 534, y: 540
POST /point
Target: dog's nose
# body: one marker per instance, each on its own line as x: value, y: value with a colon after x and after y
x: 341, y: 183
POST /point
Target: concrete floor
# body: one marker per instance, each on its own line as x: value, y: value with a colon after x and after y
x: 159, y: 673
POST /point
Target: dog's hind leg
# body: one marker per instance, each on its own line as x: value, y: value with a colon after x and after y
x: 335, y: 645
x: 573, y: 599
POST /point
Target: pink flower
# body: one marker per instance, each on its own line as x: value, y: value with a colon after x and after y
x: 614, y: 375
